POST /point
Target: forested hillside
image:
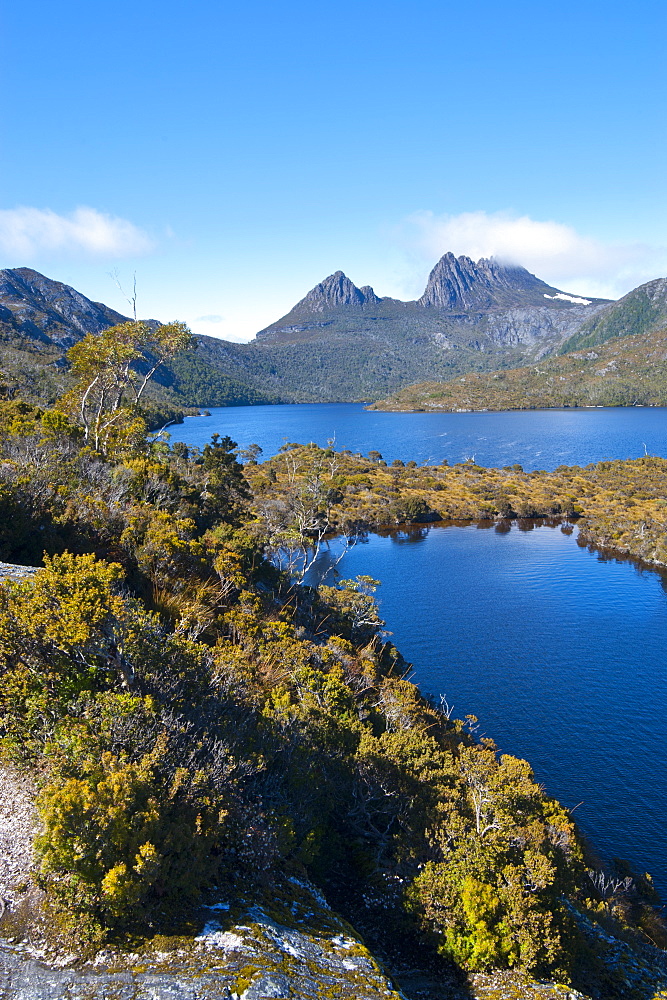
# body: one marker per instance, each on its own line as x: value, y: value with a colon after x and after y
x: 623, y: 371
x: 642, y: 310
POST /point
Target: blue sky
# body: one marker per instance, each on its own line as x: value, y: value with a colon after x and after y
x: 234, y: 156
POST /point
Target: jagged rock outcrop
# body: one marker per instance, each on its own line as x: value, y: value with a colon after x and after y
x: 459, y: 288
x: 459, y: 294
x: 460, y: 285
x: 336, y: 290
x: 48, y: 311
x: 344, y: 342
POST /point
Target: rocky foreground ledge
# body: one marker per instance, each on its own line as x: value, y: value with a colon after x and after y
x: 301, y: 951
x: 288, y: 944
x: 15, y: 572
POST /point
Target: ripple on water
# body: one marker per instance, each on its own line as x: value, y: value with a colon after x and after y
x: 560, y: 653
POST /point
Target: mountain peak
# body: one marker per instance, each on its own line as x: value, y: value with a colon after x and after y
x: 458, y: 284
x: 49, y: 311
x: 336, y: 290
x: 330, y: 295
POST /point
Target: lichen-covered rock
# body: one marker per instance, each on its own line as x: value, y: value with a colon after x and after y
x: 15, y: 572
x: 291, y: 944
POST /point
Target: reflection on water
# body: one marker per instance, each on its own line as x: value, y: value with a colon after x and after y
x: 407, y: 533
x: 559, y: 650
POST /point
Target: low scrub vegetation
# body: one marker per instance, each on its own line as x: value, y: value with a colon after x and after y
x: 620, y: 505
x: 624, y: 371
x: 194, y: 716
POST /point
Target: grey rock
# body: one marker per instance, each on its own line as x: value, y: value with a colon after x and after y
x: 336, y: 290
x: 458, y: 283
x: 299, y: 949
x: 268, y: 986
x: 16, y: 571
x: 48, y: 311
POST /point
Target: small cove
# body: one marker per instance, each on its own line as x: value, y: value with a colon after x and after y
x: 559, y: 651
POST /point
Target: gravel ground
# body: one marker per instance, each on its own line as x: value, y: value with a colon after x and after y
x: 18, y: 825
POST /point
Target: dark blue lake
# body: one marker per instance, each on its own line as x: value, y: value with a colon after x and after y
x: 537, y: 439
x: 559, y: 652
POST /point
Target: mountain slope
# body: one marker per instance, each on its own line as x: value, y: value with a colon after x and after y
x: 642, y: 310
x: 624, y: 371
x: 339, y: 343
x: 36, y: 308
x: 343, y: 342
x: 459, y: 295
x: 41, y: 318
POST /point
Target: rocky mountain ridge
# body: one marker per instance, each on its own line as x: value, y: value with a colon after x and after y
x: 41, y: 309
x: 459, y: 293
x: 341, y: 342
x: 459, y: 284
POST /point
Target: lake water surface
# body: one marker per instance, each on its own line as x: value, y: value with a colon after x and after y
x: 537, y: 439
x: 559, y: 652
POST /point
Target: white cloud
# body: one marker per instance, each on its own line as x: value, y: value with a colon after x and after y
x: 238, y: 328
x: 554, y: 252
x: 27, y: 232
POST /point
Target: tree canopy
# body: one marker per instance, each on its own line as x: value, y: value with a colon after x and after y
x: 112, y: 370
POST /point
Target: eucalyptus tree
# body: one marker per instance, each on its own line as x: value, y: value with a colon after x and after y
x: 112, y: 370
